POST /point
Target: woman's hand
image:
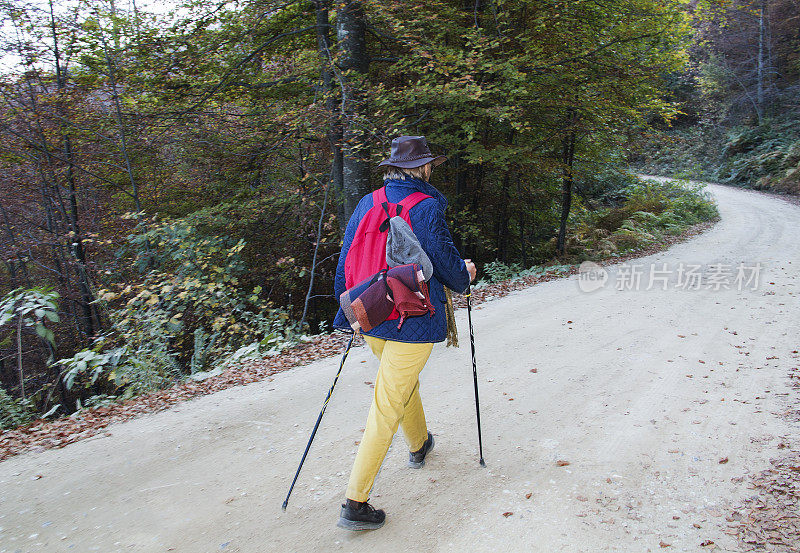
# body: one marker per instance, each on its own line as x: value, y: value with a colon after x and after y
x: 471, y: 269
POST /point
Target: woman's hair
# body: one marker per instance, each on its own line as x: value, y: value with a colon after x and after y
x: 402, y: 174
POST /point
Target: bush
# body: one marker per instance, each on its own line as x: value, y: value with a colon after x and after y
x: 612, y: 219
x: 650, y: 210
x: 499, y: 271
x: 692, y: 153
x: 761, y: 157
x: 186, y: 313
x: 628, y: 239
x: 14, y: 412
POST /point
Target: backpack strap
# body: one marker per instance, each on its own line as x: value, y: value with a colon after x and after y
x: 412, y: 199
x: 379, y: 196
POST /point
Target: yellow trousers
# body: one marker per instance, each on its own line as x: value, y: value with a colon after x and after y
x: 396, y: 403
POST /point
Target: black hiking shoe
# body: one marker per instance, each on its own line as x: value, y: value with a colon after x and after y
x: 360, y: 515
x: 416, y: 459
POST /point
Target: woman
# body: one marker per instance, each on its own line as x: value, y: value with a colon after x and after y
x: 402, y: 352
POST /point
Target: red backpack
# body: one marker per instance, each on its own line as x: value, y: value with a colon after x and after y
x: 367, y: 253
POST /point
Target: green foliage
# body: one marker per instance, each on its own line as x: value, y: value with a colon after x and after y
x: 686, y: 153
x: 649, y: 211
x: 33, y: 306
x: 202, y: 344
x: 607, y: 186
x: 498, y: 271
x: 187, y: 312
x: 89, y: 363
x: 763, y: 157
x: 14, y: 412
x: 100, y: 400
x: 739, y: 122
x: 192, y: 282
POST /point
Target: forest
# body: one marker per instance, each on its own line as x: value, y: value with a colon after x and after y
x: 739, y: 102
x: 174, y: 182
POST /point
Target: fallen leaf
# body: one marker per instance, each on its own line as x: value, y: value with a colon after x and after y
x: 664, y: 544
x: 562, y: 463
x: 696, y: 525
x: 528, y: 495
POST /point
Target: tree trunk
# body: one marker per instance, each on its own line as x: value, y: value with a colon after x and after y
x: 112, y: 79
x: 354, y: 62
x: 20, y: 261
x: 76, y: 240
x: 502, y: 223
x: 461, y: 190
x: 521, y: 222
x: 314, y: 260
x: 334, y: 117
x: 19, y: 356
x: 567, y: 158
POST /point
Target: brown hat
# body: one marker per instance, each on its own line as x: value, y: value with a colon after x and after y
x: 411, y: 151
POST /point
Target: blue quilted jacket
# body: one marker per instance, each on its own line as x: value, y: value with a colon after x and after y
x: 428, y: 222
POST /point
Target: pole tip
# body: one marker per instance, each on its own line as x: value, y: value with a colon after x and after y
x: 483, y: 463
x: 285, y: 503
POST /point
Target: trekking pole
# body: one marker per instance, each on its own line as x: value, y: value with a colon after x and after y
x: 319, y: 418
x: 475, y: 374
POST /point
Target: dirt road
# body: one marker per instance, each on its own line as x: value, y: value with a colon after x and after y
x: 644, y: 392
